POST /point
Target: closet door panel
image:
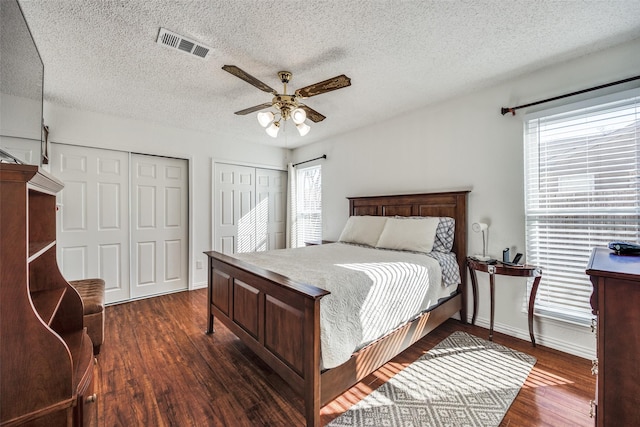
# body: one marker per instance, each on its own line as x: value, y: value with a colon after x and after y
x: 159, y: 232
x: 271, y: 193
x: 233, y: 208
x: 109, y: 265
x: 245, y: 195
x: 249, y: 208
x: 74, y: 261
x: 93, y: 216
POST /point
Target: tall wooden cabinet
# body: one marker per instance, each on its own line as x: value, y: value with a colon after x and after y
x: 616, y: 303
x: 46, y: 356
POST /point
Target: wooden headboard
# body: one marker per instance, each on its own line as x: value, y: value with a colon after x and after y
x: 452, y: 204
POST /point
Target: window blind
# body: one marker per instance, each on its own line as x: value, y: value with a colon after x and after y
x: 309, y: 205
x: 582, y: 190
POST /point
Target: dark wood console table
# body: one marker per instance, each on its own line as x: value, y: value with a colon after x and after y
x: 503, y: 270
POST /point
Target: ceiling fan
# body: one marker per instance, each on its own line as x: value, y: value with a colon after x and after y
x: 287, y: 105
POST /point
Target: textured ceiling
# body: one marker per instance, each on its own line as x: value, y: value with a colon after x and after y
x: 102, y: 55
x: 20, y: 65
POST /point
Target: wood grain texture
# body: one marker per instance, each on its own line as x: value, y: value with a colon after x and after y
x: 246, y: 307
x: 616, y: 297
x: 158, y: 367
x: 283, y: 330
x: 45, y: 353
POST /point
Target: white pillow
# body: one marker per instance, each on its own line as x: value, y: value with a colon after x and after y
x: 412, y: 234
x: 364, y: 230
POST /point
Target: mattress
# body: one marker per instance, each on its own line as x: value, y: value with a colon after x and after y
x: 373, y: 291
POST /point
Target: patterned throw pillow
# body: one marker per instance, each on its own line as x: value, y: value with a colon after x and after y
x: 444, y: 234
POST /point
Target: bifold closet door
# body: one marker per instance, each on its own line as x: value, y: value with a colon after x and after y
x: 233, y: 208
x: 271, y: 209
x: 123, y: 217
x: 93, y: 216
x: 249, y: 208
x: 159, y: 225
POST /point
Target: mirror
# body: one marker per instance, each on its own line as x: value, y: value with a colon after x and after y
x: 21, y: 89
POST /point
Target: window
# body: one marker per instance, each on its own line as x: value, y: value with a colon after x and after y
x: 309, y: 205
x: 582, y: 190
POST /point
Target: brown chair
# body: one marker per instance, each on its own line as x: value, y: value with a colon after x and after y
x: 92, y: 293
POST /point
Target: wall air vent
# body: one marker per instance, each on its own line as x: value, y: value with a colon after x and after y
x: 176, y: 41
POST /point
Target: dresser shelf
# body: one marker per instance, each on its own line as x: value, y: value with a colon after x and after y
x: 47, y: 303
x: 46, y: 356
x: 38, y: 248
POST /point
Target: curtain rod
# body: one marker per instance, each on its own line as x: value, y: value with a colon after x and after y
x: 324, y: 156
x: 512, y: 110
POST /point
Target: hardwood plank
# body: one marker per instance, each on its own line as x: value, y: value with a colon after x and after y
x: 158, y: 367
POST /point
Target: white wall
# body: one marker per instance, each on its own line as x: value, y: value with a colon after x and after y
x: 20, y: 130
x: 90, y: 129
x: 20, y: 116
x: 466, y: 143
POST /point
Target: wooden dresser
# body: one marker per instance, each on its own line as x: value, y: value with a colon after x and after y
x: 46, y: 356
x: 616, y: 303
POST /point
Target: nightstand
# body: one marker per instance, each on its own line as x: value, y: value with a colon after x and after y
x: 503, y: 270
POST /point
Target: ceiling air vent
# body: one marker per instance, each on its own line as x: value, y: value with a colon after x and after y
x: 182, y: 44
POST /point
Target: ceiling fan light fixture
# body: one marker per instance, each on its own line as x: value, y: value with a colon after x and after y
x: 303, y: 128
x: 272, y: 130
x: 298, y: 116
x: 265, y: 118
x: 285, y: 105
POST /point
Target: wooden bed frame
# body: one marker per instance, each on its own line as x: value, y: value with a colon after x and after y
x: 279, y: 319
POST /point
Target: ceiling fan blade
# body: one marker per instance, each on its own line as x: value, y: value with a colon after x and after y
x: 328, y: 85
x: 312, y: 114
x: 252, y: 109
x: 232, y: 69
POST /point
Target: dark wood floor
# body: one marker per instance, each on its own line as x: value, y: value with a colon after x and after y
x: 158, y: 368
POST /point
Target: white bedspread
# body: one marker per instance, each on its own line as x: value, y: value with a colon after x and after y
x: 373, y: 291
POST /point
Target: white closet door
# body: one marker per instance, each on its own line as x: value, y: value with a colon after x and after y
x: 271, y: 213
x: 159, y: 225
x: 234, y: 213
x: 93, y: 220
x: 249, y: 208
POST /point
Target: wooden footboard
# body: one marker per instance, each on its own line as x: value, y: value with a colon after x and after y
x: 279, y: 319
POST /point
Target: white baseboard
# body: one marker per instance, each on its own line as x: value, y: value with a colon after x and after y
x: 198, y: 285
x: 547, y: 341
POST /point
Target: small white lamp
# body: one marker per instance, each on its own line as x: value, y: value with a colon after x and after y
x: 478, y: 227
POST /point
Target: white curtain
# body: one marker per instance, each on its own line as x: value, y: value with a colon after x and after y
x: 292, y: 211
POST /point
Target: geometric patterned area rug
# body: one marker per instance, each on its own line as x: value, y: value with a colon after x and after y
x: 464, y: 381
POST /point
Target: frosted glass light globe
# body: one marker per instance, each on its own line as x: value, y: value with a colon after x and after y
x: 272, y: 130
x: 303, y: 129
x: 298, y: 116
x: 264, y: 118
